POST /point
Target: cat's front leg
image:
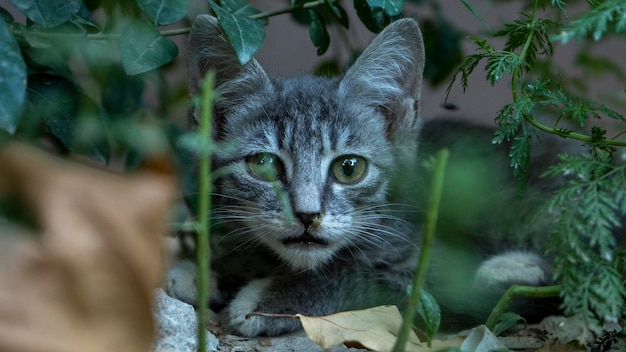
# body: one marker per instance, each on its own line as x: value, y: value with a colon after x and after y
x: 181, y: 282
x: 290, y: 295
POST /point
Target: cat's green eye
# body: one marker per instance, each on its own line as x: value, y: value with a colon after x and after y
x: 265, y: 166
x: 349, y: 168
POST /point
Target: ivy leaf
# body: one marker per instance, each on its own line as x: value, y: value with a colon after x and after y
x: 374, y: 18
x: 12, y: 80
x: 164, y: 12
x: 245, y: 34
x: 339, y: 13
x: 318, y: 33
x: 443, y: 49
x: 55, y: 100
x: 391, y: 7
x: 143, y: 48
x: 48, y: 13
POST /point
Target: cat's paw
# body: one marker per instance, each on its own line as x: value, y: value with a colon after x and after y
x: 504, y: 270
x: 248, y: 300
x: 181, y: 282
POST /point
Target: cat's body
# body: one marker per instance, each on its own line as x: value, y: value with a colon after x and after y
x: 318, y: 212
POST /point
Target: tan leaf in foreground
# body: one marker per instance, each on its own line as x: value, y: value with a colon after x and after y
x: 374, y: 328
x: 85, y: 283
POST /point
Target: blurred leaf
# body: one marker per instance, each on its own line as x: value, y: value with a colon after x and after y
x: 164, y: 12
x: 46, y: 59
x: 328, y: 68
x: 12, y: 80
x: 122, y: 95
x: 339, y: 13
x: 375, y: 19
x: 245, y: 34
x: 318, y: 33
x: 442, y: 43
x: 144, y: 49
x: 86, y: 284
x: 391, y: 7
x: 48, y: 13
x: 6, y: 16
x: 55, y: 100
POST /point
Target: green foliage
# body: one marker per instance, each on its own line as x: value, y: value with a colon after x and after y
x: 12, y: 80
x: 163, y: 12
x: 591, y: 206
x: 74, y: 78
x: 143, y: 49
x: 608, y: 16
x: 245, y: 34
x: 48, y: 13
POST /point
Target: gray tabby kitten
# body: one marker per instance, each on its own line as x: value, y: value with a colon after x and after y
x: 313, y: 211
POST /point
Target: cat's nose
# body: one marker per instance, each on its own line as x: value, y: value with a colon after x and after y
x: 308, y: 219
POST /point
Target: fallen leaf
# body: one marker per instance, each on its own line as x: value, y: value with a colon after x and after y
x: 85, y: 282
x: 374, y: 328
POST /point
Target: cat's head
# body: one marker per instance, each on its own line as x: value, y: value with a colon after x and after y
x: 310, y: 159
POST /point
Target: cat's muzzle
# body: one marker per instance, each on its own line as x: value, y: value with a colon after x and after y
x: 306, y: 239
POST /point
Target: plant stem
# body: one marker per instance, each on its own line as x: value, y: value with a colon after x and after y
x: 517, y: 291
x: 432, y: 214
x: 522, y: 55
x: 204, y: 206
x: 290, y: 8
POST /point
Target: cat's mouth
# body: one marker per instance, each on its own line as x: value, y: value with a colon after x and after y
x: 305, y: 239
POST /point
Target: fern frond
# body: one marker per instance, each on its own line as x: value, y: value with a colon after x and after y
x: 608, y: 16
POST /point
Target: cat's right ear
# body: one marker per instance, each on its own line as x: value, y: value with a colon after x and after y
x: 236, y: 84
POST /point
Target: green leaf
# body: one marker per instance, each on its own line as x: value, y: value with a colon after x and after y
x: 506, y: 321
x: 375, y: 19
x: 48, y: 13
x: 442, y: 43
x: 391, y: 7
x: 143, y: 48
x: 12, y: 80
x: 164, y: 12
x: 429, y: 311
x: 339, y: 13
x: 245, y: 34
x: 318, y: 33
x: 121, y: 94
x: 55, y: 100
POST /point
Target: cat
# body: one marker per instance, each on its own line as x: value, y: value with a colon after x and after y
x: 319, y: 211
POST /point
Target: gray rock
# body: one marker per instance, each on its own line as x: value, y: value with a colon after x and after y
x: 177, y: 325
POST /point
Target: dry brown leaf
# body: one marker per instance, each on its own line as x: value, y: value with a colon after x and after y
x: 374, y: 328
x: 85, y: 284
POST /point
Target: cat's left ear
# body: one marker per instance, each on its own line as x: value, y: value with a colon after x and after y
x: 388, y: 75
